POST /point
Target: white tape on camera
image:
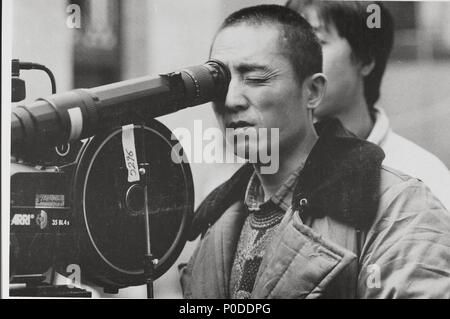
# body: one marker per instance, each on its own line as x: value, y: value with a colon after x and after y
x: 129, y: 153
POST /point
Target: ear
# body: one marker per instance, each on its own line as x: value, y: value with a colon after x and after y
x: 315, y: 86
x: 367, y: 68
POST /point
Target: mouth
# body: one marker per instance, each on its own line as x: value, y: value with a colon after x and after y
x: 239, y: 125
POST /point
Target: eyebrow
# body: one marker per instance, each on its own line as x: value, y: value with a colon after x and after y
x: 250, y: 67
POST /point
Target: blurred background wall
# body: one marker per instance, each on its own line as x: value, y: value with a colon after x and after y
x: 124, y: 39
x: 416, y: 87
x: 41, y: 36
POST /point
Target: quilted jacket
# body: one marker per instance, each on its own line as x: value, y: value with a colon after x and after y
x: 355, y: 229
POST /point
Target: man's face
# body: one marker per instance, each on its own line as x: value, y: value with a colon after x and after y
x: 264, y: 91
x: 340, y: 68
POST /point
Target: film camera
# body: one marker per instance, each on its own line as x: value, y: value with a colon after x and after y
x: 108, y: 198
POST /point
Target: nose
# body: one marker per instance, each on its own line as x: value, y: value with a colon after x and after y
x: 235, y: 99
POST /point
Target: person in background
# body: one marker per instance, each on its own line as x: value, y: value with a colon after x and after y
x: 354, y: 60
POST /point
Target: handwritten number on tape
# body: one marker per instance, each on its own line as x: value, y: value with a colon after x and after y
x: 129, y: 153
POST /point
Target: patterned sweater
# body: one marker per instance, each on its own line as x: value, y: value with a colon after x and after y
x: 257, y: 232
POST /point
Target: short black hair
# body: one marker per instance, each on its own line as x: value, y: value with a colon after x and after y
x: 301, y: 46
x: 368, y: 44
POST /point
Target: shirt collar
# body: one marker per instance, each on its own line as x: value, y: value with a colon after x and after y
x: 381, y: 127
x: 254, y: 195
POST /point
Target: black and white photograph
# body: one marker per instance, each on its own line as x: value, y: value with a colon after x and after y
x: 225, y: 149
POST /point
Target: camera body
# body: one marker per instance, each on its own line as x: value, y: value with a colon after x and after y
x: 121, y: 209
x: 81, y: 208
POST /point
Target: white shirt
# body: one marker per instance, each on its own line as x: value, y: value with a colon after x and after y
x: 409, y: 158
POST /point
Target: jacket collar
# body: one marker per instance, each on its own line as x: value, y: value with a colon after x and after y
x: 340, y: 179
x: 381, y: 127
